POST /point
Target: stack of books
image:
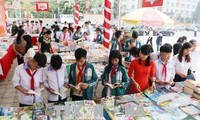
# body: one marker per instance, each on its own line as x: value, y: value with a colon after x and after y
x: 189, y: 86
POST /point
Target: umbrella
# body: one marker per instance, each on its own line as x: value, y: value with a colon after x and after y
x: 147, y: 17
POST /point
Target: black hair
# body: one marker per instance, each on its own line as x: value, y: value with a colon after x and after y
x: 146, y: 50
x: 28, y: 40
x: 180, y: 55
x: 14, y: 21
x: 135, y: 34
x: 48, y: 32
x: 32, y: 21
x: 114, y: 54
x: 169, y: 45
x: 118, y: 33
x: 180, y: 40
x: 53, y: 26
x: 193, y: 41
x: 78, y: 28
x: 166, y: 49
x: 56, y: 22
x: 184, y: 38
x: 41, y: 59
x: 41, y: 21
x: 64, y: 28
x: 98, y: 29
x: 43, y: 28
x: 21, y: 26
x: 79, y: 53
x: 134, y: 51
x: 56, y: 62
x: 19, y: 35
x: 177, y: 47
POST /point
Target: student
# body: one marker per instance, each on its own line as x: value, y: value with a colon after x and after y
x: 132, y: 42
x: 159, y: 39
x: 28, y: 76
x: 82, y: 74
x: 114, y: 73
x: 164, y: 71
x: 65, y: 36
x: 55, y: 78
x: 14, y: 29
x: 182, y: 62
x: 140, y: 70
x: 78, y: 34
x: 150, y: 38
x: 45, y: 42
x: 99, y: 38
x: 116, y: 44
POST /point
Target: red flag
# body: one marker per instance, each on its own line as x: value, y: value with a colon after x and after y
x: 42, y: 6
x: 2, y: 18
x: 76, y: 15
x: 152, y: 3
x: 107, y: 18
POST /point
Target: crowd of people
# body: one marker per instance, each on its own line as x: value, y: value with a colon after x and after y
x: 144, y: 69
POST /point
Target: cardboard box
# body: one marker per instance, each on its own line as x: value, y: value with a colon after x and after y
x: 190, y: 83
x: 188, y: 90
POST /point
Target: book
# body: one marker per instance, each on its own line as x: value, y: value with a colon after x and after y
x: 37, y: 91
x: 112, y: 86
x: 188, y: 90
x: 190, y: 83
x: 75, y: 87
x: 190, y: 109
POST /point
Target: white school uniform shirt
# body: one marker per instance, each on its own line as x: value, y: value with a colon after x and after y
x: 195, y: 57
x: 181, y: 67
x: 67, y: 36
x: 36, y: 27
x: 155, y: 55
x: 40, y: 28
x: 27, y: 29
x: 56, y: 80
x: 30, y: 54
x: 170, y: 71
x: 22, y: 78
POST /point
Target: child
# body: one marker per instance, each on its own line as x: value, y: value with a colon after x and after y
x: 116, y: 75
x: 27, y: 77
x: 55, y: 78
x: 83, y: 75
x: 165, y: 70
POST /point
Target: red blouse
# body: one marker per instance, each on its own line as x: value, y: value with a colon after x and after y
x: 141, y: 74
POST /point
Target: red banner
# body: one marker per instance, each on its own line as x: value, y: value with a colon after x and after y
x: 2, y: 18
x: 42, y: 6
x: 87, y: 5
x: 152, y: 3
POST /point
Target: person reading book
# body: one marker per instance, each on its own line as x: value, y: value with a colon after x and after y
x: 114, y: 78
x: 28, y: 77
x: 83, y: 76
x: 55, y: 78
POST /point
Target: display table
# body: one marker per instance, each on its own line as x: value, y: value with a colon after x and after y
x: 6, y: 61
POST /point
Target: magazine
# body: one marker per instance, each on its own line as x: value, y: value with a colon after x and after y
x: 37, y: 91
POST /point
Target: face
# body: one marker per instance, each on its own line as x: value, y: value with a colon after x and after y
x: 194, y: 46
x: 34, y: 65
x: 115, y: 61
x: 142, y: 56
x: 48, y: 35
x: 81, y: 61
x: 165, y: 56
x: 187, y: 51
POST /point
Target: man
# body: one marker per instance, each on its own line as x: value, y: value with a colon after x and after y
x: 14, y: 29
x: 28, y: 77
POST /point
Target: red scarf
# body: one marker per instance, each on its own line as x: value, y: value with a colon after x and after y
x: 164, y: 70
x: 113, y: 71
x: 32, y: 78
x: 80, y: 73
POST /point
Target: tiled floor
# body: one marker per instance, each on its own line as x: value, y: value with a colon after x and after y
x: 9, y: 96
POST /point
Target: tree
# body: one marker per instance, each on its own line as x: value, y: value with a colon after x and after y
x: 196, y: 16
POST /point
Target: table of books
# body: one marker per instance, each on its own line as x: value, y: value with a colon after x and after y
x: 163, y: 104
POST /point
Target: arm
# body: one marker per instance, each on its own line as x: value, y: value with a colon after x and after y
x: 126, y: 46
x: 125, y: 79
x: 94, y: 78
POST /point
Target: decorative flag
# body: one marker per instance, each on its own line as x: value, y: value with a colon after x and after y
x: 76, y: 15
x: 87, y: 5
x: 42, y: 6
x: 107, y: 18
x: 152, y: 3
x: 2, y: 19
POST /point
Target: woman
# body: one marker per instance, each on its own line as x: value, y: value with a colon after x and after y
x: 45, y: 42
x: 182, y: 62
x: 29, y: 51
x: 114, y: 74
x: 140, y: 70
x: 43, y: 31
x: 78, y: 34
x: 150, y: 36
x: 18, y: 48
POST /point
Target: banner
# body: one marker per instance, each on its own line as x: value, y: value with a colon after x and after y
x: 42, y: 6
x: 87, y: 5
x: 152, y: 3
x: 2, y: 18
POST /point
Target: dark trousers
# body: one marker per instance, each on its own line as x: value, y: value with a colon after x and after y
x: 178, y: 78
x: 76, y: 98
x: 63, y: 100
x: 149, y: 40
x: 20, y: 60
x: 23, y: 105
x: 195, y: 34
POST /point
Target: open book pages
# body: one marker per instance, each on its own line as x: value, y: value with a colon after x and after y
x: 36, y: 92
x: 112, y: 86
x: 62, y: 91
x: 75, y: 87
